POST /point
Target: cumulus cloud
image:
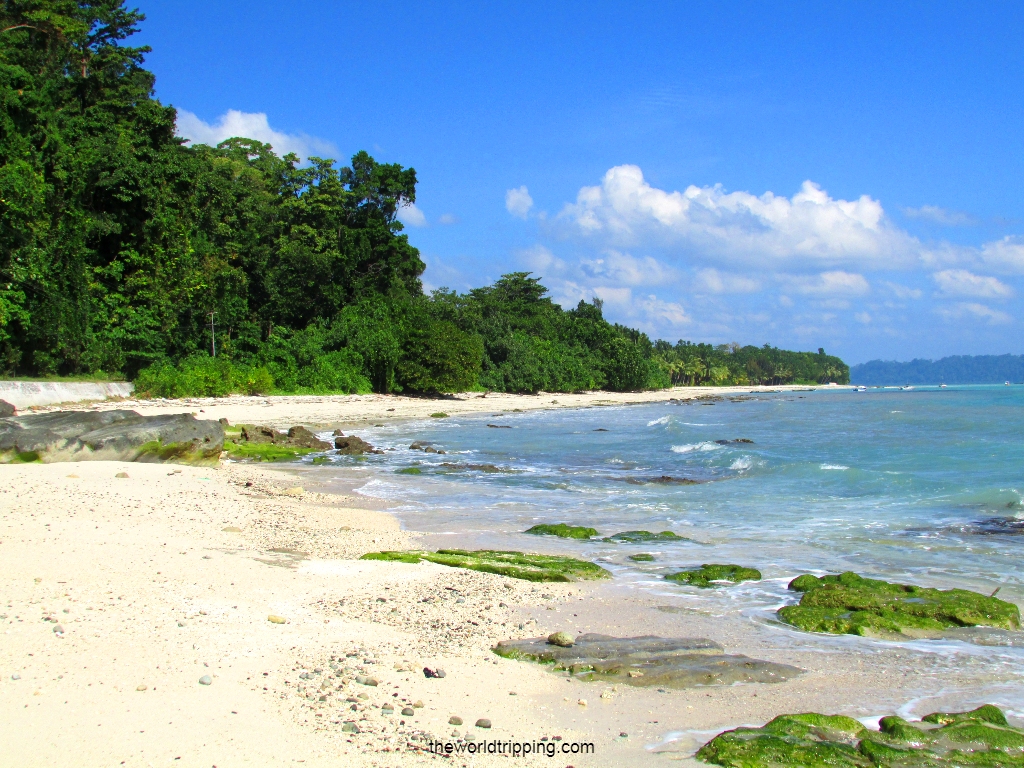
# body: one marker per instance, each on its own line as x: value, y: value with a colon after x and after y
x: 249, y: 125
x: 628, y: 270
x: 1006, y: 255
x: 808, y: 227
x: 538, y: 258
x: 448, y: 218
x: 960, y: 282
x: 412, y: 216
x: 518, y: 202
x: 942, y: 216
x: 974, y: 311
x: 714, y: 281
x: 902, y: 291
x: 836, y: 283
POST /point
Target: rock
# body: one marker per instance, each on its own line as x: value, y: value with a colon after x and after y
x: 6, y: 409
x: 418, y: 705
x: 58, y: 629
x: 231, y: 529
x: 205, y: 680
x: 517, y: 565
x: 851, y: 604
x: 708, y: 574
x: 15, y: 676
x: 439, y: 415
x: 483, y: 722
x: 224, y: 422
x: 364, y: 680
x: 582, y: 702
x: 561, y: 639
x: 387, y: 709
x: 659, y: 480
x: 338, y: 433
x: 349, y: 727
x: 648, y: 661
x: 834, y: 740
x: 275, y: 619
x: 644, y: 537
x: 454, y: 720
x: 304, y: 438
x: 562, y: 531
x: 500, y: 426
x: 353, y: 446
x: 123, y: 475
x: 296, y: 490
x: 142, y: 688
x: 417, y: 446
x: 408, y: 712
x: 642, y: 557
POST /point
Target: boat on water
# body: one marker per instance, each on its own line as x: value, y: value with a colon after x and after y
x: 1006, y: 383
x: 862, y: 389
x: 942, y: 386
x: 907, y: 387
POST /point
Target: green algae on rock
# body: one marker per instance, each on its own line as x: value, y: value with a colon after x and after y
x: 409, y: 471
x: 263, y: 451
x: 709, y: 574
x: 642, y: 557
x: 517, y: 565
x: 562, y: 531
x: 647, y: 661
x: 851, y: 604
x: 941, y: 740
x: 644, y: 537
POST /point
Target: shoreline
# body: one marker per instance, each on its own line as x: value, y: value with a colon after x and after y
x: 171, y: 573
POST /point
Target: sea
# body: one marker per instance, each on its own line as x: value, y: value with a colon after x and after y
x: 921, y: 486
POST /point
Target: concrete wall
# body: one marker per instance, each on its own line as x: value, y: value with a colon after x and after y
x: 22, y: 394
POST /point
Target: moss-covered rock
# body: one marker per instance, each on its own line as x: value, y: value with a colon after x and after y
x: 517, y: 565
x: 851, y: 604
x: 409, y: 471
x: 644, y: 537
x: 246, y: 451
x: 815, y: 741
x: 562, y: 531
x: 712, y: 574
x: 642, y: 557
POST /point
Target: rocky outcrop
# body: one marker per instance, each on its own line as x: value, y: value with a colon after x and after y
x: 647, y: 661
x: 7, y: 410
x: 353, y: 446
x: 109, y: 436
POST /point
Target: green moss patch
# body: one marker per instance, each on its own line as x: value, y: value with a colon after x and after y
x: 851, y: 604
x: 643, y: 557
x: 180, y: 453
x: 409, y: 471
x: 20, y: 457
x: 815, y: 741
x: 439, y: 415
x: 563, y: 531
x: 644, y: 537
x: 517, y: 565
x: 263, y: 451
x: 710, y: 573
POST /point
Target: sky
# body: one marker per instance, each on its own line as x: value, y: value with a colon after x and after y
x: 840, y: 175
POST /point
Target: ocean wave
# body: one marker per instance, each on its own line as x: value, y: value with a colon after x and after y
x: 742, y: 463
x: 707, y: 445
x: 662, y: 420
x: 833, y: 466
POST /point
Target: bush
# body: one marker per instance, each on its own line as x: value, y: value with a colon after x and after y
x: 203, y: 377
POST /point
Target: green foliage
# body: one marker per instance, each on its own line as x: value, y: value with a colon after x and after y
x: 708, y: 574
x: 514, y: 564
x: 698, y: 364
x: 202, y: 377
x: 562, y: 531
x: 850, y: 604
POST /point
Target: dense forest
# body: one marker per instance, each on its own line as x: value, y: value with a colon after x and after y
x: 126, y: 252
x: 959, y: 369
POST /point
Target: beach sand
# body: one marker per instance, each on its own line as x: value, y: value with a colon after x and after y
x: 170, y: 574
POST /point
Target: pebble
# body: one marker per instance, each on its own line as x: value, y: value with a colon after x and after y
x: 58, y: 629
x: 408, y: 712
x: 623, y: 734
x: 454, y: 720
x: 483, y: 722
x: 561, y: 639
x: 364, y: 680
x: 275, y: 619
x: 387, y: 709
x: 121, y: 474
x: 205, y: 680
x: 15, y: 676
x: 349, y: 727
x: 428, y: 672
x: 142, y: 688
x: 294, y: 491
x: 582, y: 702
x: 418, y: 705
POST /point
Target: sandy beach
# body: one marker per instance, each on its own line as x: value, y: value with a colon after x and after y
x: 122, y: 593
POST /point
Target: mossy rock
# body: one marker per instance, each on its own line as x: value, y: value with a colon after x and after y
x: 180, y: 453
x: 644, y: 537
x: 263, y: 451
x: 563, y: 531
x: 517, y: 565
x: 708, y: 574
x: 642, y: 557
x: 439, y: 415
x: 850, y: 604
x: 409, y: 471
x: 20, y: 457
x: 811, y: 740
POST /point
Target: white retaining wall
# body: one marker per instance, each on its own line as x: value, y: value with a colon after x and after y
x: 22, y: 394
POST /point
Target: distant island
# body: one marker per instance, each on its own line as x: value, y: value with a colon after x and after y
x: 958, y: 369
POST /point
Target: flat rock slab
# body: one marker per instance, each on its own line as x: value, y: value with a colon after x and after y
x: 110, y: 436
x: 648, y: 661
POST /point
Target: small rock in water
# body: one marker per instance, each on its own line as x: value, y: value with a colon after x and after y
x: 141, y: 688
x: 349, y: 727
x: 206, y: 680
x: 454, y: 720
x: 275, y: 619
x: 121, y: 474
x: 562, y: 639
x: 483, y: 722
x: 364, y: 680
x: 408, y: 712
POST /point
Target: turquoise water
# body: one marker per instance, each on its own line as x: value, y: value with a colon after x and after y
x: 920, y: 486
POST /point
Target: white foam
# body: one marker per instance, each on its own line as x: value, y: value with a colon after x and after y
x: 833, y: 466
x: 662, y: 420
x: 691, y: 447
x: 744, y: 462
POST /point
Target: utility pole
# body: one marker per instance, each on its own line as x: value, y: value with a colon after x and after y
x: 213, y: 336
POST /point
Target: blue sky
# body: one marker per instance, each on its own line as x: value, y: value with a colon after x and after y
x: 841, y: 175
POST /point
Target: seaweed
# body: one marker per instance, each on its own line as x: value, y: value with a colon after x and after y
x: 517, y: 565
x: 644, y: 537
x: 562, y: 531
x: 709, y: 574
x: 264, y: 451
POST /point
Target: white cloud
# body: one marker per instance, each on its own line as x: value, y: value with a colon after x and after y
x: 809, y: 227
x: 537, y: 258
x: 518, y: 202
x: 662, y: 313
x: 837, y: 283
x: 971, y: 310
x: 623, y: 268
x: 902, y: 291
x: 1006, y: 255
x: 448, y: 218
x: 249, y: 125
x: 960, y: 282
x: 713, y: 281
x: 412, y: 216
x: 941, y: 216
x: 862, y: 317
